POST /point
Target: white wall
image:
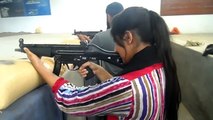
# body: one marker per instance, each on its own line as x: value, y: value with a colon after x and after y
x: 67, y: 15
x: 191, y: 23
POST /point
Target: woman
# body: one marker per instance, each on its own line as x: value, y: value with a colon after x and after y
x: 148, y: 86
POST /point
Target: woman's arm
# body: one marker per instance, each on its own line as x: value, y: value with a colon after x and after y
x: 51, y: 78
x: 111, y: 97
x: 45, y: 73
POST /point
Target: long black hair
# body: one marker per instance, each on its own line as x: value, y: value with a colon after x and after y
x: 152, y: 29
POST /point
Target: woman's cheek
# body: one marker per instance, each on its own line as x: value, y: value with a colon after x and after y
x: 122, y: 55
x: 120, y: 51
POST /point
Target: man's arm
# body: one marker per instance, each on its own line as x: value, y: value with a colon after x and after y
x: 84, y: 38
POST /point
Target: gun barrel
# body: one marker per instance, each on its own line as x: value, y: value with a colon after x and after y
x: 18, y: 50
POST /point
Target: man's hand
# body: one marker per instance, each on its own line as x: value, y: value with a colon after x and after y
x: 84, y: 38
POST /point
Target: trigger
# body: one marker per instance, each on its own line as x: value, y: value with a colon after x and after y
x: 75, y: 67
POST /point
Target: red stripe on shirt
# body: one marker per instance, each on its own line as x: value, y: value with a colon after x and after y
x: 58, y: 84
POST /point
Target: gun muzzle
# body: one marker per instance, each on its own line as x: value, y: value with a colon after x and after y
x: 18, y: 50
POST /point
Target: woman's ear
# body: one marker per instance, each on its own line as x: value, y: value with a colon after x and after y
x: 128, y: 37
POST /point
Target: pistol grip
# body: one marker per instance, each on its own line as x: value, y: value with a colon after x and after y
x: 90, y: 74
x: 57, y: 66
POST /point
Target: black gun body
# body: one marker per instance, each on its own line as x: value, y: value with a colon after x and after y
x: 74, y: 54
x: 86, y: 55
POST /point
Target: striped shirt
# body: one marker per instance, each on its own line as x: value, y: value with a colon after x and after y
x: 134, y: 95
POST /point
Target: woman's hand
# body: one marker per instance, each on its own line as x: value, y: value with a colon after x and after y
x: 45, y: 73
x: 99, y: 71
x: 35, y: 60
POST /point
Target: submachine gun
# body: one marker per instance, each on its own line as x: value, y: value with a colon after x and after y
x: 74, y: 54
